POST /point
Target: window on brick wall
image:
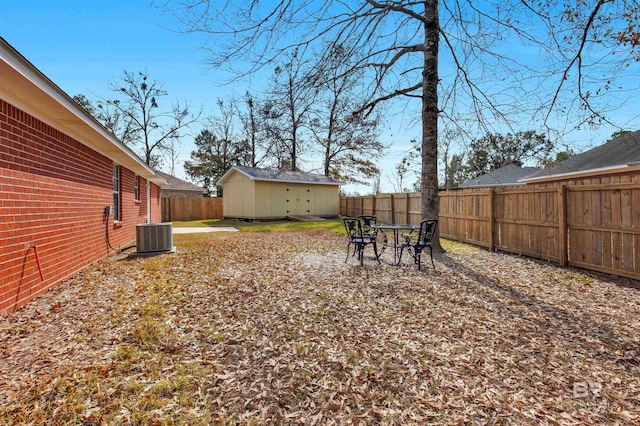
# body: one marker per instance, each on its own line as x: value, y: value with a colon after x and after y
x: 136, y: 189
x: 116, y: 192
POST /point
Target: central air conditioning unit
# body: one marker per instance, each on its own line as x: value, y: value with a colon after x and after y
x: 152, y: 237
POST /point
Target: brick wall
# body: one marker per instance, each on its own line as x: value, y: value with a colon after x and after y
x: 53, y: 191
x: 156, y: 208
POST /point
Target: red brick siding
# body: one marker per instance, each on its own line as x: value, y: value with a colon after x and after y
x: 53, y: 191
x: 156, y: 208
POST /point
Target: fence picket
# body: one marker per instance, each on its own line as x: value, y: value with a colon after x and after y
x: 185, y: 209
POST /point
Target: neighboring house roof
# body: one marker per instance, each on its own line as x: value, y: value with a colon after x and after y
x: 619, y: 154
x: 28, y: 89
x: 176, y: 184
x: 505, y: 175
x: 280, y: 176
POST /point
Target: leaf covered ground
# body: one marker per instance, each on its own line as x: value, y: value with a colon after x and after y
x: 274, y: 328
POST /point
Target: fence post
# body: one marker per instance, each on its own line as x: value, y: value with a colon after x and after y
x: 373, y: 205
x: 492, y: 220
x: 562, y: 225
x: 408, y: 215
x: 391, y: 203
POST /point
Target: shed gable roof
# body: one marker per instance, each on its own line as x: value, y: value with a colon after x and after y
x: 279, y: 176
x: 614, y: 155
x: 505, y: 175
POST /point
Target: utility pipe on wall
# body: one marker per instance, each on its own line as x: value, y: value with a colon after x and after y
x: 148, y: 201
x: 35, y: 251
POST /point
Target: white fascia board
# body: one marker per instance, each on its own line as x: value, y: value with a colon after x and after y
x: 297, y: 181
x: 227, y: 173
x: 224, y: 177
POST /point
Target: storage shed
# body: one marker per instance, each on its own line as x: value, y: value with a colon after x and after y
x: 70, y: 192
x: 253, y: 193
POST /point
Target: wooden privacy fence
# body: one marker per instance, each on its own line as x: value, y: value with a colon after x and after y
x: 591, y: 226
x: 180, y: 209
x: 388, y: 208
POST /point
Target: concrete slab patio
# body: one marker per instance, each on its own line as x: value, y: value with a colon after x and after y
x: 202, y: 229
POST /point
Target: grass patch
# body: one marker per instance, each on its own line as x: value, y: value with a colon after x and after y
x: 334, y: 225
x: 461, y: 249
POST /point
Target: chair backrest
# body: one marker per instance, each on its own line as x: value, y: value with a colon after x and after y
x: 367, y: 221
x: 353, y: 227
x: 427, y: 229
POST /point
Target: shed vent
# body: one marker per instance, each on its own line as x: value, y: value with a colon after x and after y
x: 152, y: 237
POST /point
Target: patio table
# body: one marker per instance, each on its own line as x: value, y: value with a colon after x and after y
x: 395, y: 245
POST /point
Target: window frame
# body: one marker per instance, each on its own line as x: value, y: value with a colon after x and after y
x: 116, y: 178
x: 136, y: 188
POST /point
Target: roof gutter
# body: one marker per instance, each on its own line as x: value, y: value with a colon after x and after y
x: 491, y: 185
x: 589, y: 172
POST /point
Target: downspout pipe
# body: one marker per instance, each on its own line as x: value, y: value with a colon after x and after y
x: 148, y: 202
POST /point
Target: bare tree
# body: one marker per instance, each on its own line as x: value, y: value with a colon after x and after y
x: 218, y: 147
x: 347, y: 140
x: 136, y: 117
x: 398, y: 179
x: 172, y: 151
x: 222, y: 123
x: 286, y: 110
x: 110, y: 117
x: 397, y: 44
x: 252, y: 128
x: 376, y: 183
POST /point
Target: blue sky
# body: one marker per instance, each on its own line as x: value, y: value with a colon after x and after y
x: 80, y: 45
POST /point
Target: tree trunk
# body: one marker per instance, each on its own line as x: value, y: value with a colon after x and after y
x: 430, y: 201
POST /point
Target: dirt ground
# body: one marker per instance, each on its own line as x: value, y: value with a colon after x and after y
x: 264, y: 328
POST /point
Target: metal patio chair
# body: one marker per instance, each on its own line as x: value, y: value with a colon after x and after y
x: 359, y: 239
x: 423, y: 240
x: 367, y: 229
x: 367, y: 221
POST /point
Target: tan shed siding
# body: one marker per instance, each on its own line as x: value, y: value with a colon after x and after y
x: 237, y: 196
x: 327, y: 201
x: 255, y: 199
x: 271, y: 199
x: 334, y: 200
x: 248, y: 197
